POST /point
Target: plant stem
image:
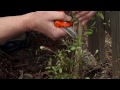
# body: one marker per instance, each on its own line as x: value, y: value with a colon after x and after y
x: 79, y: 51
x: 77, y: 69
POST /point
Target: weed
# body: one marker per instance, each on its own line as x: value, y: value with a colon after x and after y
x: 67, y: 63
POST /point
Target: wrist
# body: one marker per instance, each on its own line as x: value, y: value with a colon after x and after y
x: 32, y: 19
x: 26, y: 19
x: 29, y: 21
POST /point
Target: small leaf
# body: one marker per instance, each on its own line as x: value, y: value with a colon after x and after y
x: 96, y: 51
x: 48, y: 68
x: 93, y: 23
x: 91, y: 29
x: 87, y: 78
x: 42, y: 47
x: 88, y: 33
x: 100, y: 14
x: 60, y: 70
x: 68, y: 51
x: 73, y: 48
x: 54, y: 68
x: 104, y: 23
x: 50, y: 71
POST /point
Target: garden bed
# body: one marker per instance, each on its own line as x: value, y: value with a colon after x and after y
x: 30, y: 62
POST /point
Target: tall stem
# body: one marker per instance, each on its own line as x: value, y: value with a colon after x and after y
x: 77, y: 70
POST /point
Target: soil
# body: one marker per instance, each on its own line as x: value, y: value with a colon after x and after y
x: 30, y: 62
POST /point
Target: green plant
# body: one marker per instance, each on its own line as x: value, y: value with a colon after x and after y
x: 67, y: 63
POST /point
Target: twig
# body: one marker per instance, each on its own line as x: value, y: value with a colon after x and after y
x: 20, y: 65
x: 21, y: 75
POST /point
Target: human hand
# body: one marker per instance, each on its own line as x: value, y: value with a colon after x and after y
x: 43, y: 22
x: 84, y: 16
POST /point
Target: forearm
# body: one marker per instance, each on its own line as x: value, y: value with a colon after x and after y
x: 12, y: 26
x: 40, y: 21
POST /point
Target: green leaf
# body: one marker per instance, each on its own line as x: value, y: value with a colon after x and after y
x: 48, y: 68
x: 100, y: 14
x: 60, y: 70
x: 93, y: 23
x: 68, y: 51
x: 54, y: 69
x: 91, y: 29
x: 72, y: 48
x: 88, y: 33
x: 87, y: 77
x: 50, y: 71
x: 97, y: 51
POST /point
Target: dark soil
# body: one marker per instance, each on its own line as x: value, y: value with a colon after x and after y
x: 30, y: 62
